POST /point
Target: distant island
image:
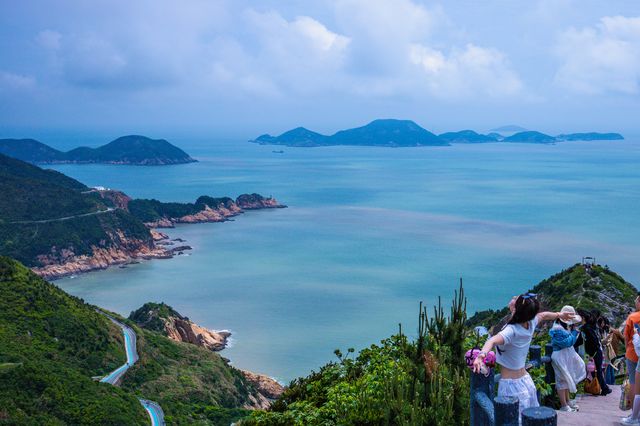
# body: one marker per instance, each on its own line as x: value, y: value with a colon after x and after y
x: 406, y: 133
x: 58, y: 226
x: 388, y: 132
x: 131, y: 150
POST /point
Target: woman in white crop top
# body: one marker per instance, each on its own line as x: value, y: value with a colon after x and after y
x: 512, y: 346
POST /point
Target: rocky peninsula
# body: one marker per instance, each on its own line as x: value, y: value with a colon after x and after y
x: 162, y: 318
x: 58, y: 226
x: 63, y: 262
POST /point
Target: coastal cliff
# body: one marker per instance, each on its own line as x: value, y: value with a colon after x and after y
x: 163, y: 319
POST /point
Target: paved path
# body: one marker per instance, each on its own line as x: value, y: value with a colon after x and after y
x: 153, y: 409
x: 595, y: 411
x: 60, y: 219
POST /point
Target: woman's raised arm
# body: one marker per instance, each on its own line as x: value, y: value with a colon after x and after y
x: 552, y: 316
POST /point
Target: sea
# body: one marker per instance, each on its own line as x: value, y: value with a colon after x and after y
x: 368, y: 234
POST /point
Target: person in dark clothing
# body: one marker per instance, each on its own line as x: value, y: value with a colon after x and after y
x: 590, y: 336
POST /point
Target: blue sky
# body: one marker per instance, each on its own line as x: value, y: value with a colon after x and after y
x: 240, y: 68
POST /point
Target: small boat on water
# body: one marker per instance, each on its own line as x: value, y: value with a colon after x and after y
x: 278, y: 152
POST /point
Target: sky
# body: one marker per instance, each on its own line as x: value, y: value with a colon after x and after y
x: 87, y: 70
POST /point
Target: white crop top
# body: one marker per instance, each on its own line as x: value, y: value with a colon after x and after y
x: 517, y: 339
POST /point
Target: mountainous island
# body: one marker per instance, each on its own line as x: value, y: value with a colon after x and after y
x: 132, y: 150
x: 387, y: 132
x: 406, y: 133
x: 58, y: 226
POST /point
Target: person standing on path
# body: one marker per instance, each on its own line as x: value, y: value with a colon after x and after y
x: 512, y: 346
x: 568, y: 366
x: 593, y: 346
x: 631, y: 357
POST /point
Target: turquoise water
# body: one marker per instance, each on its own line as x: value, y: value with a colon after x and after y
x: 369, y: 232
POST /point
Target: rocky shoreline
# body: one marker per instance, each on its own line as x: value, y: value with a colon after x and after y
x: 162, y: 318
x: 65, y: 262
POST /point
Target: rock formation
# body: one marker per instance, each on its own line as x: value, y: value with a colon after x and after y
x: 166, y: 320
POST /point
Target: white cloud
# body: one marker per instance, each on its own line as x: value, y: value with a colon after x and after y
x: 300, y: 56
x: 465, y: 72
x: 17, y: 82
x: 372, y: 48
x: 600, y: 59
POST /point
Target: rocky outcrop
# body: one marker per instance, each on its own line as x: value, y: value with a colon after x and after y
x: 163, y: 318
x: 64, y: 262
x: 183, y: 330
x: 219, y: 210
x: 119, y: 199
x: 267, y: 386
x: 257, y: 201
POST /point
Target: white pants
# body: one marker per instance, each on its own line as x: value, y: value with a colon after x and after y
x: 522, y: 388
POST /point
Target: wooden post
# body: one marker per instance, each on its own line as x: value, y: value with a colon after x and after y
x: 539, y: 416
x: 507, y: 411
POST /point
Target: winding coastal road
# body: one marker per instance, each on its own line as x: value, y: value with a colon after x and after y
x: 153, y: 409
x: 60, y: 219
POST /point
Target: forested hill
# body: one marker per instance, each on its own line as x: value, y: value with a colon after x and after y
x: 586, y: 287
x: 386, y: 132
x: 47, y: 217
x: 52, y: 344
x: 132, y: 149
x: 31, y: 193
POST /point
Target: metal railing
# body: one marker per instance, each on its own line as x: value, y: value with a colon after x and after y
x: 488, y: 410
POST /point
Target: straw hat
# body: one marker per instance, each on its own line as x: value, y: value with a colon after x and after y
x: 576, y: 318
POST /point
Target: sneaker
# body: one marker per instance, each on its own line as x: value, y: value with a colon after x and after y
x: 567, y: 409
x: 629, y: 421
x: 573, y: 404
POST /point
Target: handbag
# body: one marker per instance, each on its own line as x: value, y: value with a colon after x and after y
x: 592, y: 386
x: 625, y: 403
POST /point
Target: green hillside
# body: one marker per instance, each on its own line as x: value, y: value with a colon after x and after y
x: 132, y: 149
x: 50, y: 346
x: 44, y: 213
x: 192, y: 384
x: 28, y: 192
x: 596, y: 287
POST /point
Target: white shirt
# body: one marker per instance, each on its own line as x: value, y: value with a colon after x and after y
x: 517, y: 339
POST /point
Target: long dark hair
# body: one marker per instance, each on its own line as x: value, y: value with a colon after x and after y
x: 526, y: 309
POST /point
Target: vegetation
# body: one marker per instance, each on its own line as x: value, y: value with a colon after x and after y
x: 26, y: 242
x: 596, y: 287
x: 192, y: 384
x: 32, y: 202
x: 51, y: 344
x: 31, y: 193
x: 131, y: 149
x: 150, y: 316
x: 152, y: 210
x: 376, y: 133
x: 397, y: 382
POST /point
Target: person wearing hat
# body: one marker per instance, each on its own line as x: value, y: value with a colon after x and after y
x: 567, y: 364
